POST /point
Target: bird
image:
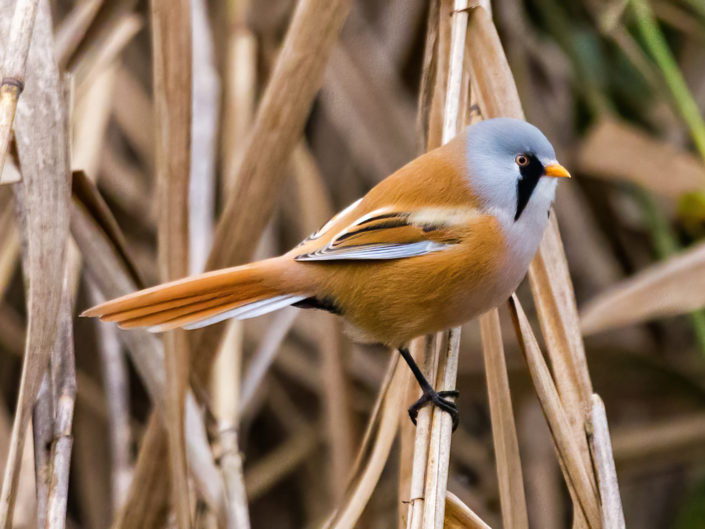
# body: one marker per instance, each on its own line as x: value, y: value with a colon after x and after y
x: 448, y: 236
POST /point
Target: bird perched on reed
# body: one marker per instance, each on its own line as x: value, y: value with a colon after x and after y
x: 445, y: 238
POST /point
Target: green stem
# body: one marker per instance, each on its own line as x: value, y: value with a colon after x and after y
x: 656, y: 43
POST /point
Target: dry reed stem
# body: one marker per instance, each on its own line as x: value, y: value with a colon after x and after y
x: 64, y: 383
x: 115, y: 380
x: 555, y: 303
x: 110, y: 273
x: 172, y: 56
x: 367, y: 102
x: 13, y: 69
x: 335, y: 396
x: 415, y: 438
x: 205, y: 121
x: 26, y: 504
x: 426, y: 348
x: 438, y: 450
x: 134, y: 114
x: 575, y: 472
x: 226, y: 390
x: 9, y: 237
x: 548, y: 273
x: 97, y: 34
x: 280, y: 119
x: 441, y: 431
x: 459, y: 516
x: 43, y: 433
x: 240, y: 91
x: 374, y: 450
x: 311, y: 209
x: 90, y: 118
x: 264, y: 355
x: 603, y: 461
x: 504, y: 435
x: 543, y: 487
x: 10, y: 174
x: 42, y: 200
x: 92, y: 64
x: 673, y: 286
x: 73, y: 29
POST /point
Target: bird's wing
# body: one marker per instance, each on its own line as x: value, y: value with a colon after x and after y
x: 395, y: 233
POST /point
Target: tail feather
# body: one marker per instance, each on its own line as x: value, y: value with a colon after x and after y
x: 240, y: 292
x: 134, y: 314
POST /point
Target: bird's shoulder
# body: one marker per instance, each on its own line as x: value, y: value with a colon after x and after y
x: 429, y: 199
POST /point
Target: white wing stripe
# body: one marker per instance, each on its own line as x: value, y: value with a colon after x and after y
x: 243, y: 312
x: 375, y: 251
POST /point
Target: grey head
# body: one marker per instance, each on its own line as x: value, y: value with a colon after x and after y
x: 512, y: 168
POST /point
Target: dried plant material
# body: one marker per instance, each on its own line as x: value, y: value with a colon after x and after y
x: 576, y: 473
x: 670, y: 438
x: 106, y: 56
x: 73, y: 28
x: 441, y: 431
x: 616, y: 151
x: 225, y: 389
x: 115, y: 377
x: 280, y: 119
x: 427, y: 349
x: 264, y: 355
x: 94, y: 38
x: 9, y: 240
x: 64, y: 383
x: 367, y: 102
x: 172, y: 55
x: 13, y: 69
x: 10, y: 173
x: 460, y: 516
x: 551, y: 286
x: 374, y: 450
x: 90, y: 118
x: 42, y: 205
x: 205, y: 114
x: 550, y: 280
x: 240, y: 89
x: 110, y: 274
x: 544, y: 489
x: 555, y: 303
x: 601, y: 448
x: 673, y: 286
x: 432, y: 444
x: 134, y: 114
x: 87, y: 195
x: 504, y: 435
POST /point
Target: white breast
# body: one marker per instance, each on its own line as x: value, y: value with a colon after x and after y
x: 524, y: 235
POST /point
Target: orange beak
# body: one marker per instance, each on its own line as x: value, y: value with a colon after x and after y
x: 556, y: 170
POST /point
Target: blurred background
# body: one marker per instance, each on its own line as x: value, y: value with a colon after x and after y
x: 617, y: 86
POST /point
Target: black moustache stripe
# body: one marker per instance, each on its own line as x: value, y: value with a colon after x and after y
x: 530, y: 175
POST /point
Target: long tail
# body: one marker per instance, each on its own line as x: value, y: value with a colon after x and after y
x: 240, y: 292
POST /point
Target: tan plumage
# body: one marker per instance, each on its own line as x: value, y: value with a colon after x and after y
x: 419, y: 253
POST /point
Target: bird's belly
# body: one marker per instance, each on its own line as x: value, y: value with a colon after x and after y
x: 396, y: 301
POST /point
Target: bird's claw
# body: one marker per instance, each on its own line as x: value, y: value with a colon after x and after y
x: 438, y: 399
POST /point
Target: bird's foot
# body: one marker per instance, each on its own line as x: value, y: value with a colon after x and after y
x: 439, y: 399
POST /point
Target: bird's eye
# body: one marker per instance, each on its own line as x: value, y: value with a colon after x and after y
x: 522, y: 160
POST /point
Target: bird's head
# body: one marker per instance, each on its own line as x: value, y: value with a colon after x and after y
x: 512, y: 167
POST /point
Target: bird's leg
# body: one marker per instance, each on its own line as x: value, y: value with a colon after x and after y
x: 430, y: 395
